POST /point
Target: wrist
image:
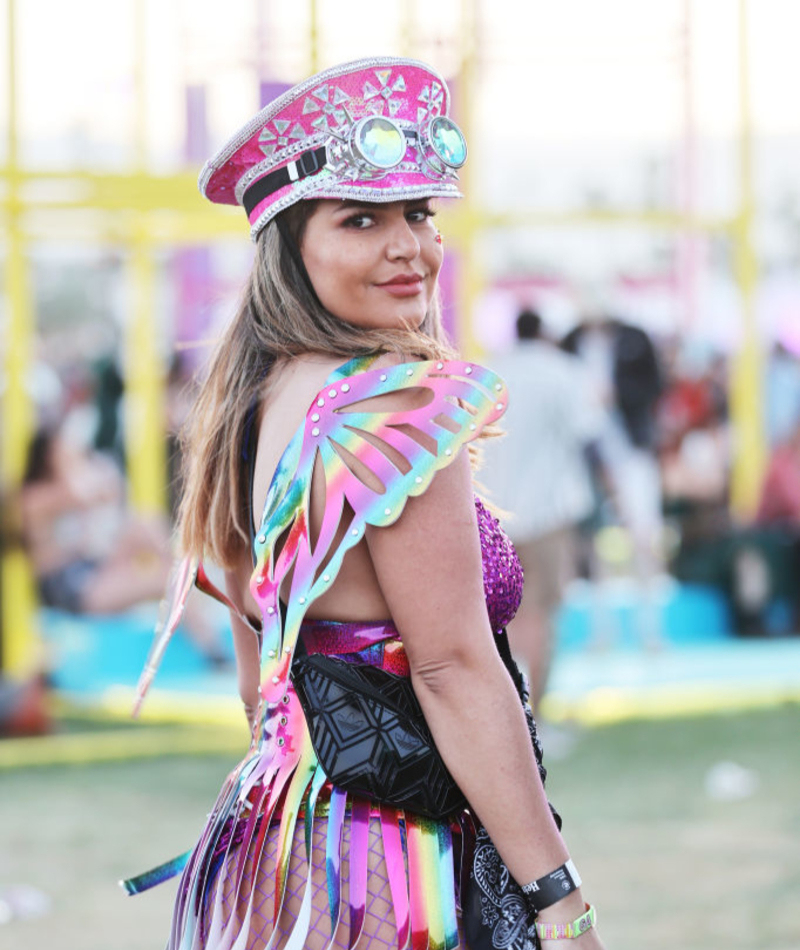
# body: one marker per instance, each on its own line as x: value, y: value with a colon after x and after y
x: 553, y: 887
x: 587, y: 941
x: 567, y: 909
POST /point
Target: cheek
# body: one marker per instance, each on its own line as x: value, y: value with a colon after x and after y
x: 434, y: 258
x: 338, y: 276
x: 320, y: 263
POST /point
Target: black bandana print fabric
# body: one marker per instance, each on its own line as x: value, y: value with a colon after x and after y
x: 495, y: 913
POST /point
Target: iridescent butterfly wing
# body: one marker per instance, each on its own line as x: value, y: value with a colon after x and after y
x: 371, y: 451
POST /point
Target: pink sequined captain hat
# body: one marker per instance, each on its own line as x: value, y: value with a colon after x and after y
x: 372, y: 130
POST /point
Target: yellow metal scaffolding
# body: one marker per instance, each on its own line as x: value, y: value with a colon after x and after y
x: 142, y: 212
x: 748, y: 370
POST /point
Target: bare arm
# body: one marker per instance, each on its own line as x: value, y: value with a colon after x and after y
x: 429, y: 567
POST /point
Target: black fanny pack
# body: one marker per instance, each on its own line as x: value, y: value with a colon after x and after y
x: 370, y: 735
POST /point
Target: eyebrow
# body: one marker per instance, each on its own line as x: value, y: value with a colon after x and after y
x: 348, y: 204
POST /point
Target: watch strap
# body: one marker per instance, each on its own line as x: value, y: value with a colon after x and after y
x: 552, y: 887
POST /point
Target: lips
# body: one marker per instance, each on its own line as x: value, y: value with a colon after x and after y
x: 403, y: 285
x: 402, y: 280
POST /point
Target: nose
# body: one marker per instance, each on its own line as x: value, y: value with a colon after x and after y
x: 402, y: 241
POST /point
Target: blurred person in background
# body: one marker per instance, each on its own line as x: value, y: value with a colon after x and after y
x: 782, y: 385
x: 778, y: 520
x: 624, y: 368
x: 109, y: 390
x: 23, y: 704
x: 539, y: 473
x: 329, y: 474
x: 693, y: 438
x: 694, y: 448
x: 86, y: 555
x: 780, y: 493
x: 89, y: 555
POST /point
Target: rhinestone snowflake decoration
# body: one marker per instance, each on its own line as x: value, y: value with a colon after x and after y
x: 282, y: 135
x: 383, y: 95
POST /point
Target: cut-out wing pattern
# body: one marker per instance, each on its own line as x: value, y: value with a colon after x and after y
x: 400, y: 449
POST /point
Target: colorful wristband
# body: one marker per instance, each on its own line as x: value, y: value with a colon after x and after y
x: 552, y: 887
x: 585, y: 922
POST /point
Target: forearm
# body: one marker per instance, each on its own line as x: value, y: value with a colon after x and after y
x: 245, y: 647
x: 479, y: 727
x: 430, y: 568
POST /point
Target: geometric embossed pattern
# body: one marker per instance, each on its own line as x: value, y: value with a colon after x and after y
x: 370, y: 736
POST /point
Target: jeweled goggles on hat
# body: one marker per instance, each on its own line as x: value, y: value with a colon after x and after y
x: 368, y: 150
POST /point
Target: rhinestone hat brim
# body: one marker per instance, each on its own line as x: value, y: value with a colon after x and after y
x: 348, y: 190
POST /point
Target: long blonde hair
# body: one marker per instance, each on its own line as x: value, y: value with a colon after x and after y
x: 277, y: 317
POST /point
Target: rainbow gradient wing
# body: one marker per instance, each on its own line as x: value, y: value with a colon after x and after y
x: 373, y: 457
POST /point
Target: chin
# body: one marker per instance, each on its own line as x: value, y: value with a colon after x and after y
x: 387, y: 320
x: 412, y: 321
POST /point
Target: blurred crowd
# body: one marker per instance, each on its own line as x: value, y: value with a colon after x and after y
x: 756, y: 562
x: 617, y: 461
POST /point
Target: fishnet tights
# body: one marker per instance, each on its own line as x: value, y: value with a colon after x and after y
x: 379, y: 931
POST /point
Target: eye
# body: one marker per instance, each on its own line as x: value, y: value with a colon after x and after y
x: 359, y: 221
x: 421, y: 214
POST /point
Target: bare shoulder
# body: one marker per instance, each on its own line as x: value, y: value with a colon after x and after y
x: 289, y: 390
x: 305, y: 373
x: 293, y: 384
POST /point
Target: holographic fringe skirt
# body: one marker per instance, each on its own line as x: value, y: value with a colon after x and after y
x: 286, y: 861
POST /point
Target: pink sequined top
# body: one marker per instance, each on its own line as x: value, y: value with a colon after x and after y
x: 502, y: 571
x: 502, y: 585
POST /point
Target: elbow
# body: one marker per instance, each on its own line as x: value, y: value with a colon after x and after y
x: 443, y: 674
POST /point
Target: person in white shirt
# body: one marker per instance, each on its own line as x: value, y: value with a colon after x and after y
x: 538, y: 474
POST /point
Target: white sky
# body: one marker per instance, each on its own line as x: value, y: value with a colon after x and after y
x: 565, y: 71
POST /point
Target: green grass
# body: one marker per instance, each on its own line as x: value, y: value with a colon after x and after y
x: 666, y: 865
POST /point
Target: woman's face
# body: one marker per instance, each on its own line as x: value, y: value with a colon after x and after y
x: 373, y: 265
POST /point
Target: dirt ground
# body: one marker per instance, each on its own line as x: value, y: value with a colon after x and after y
x: 669, y: 860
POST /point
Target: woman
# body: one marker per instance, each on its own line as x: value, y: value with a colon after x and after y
x: 69, y: 498
x: 89, y: 555
x: 334, y: 405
